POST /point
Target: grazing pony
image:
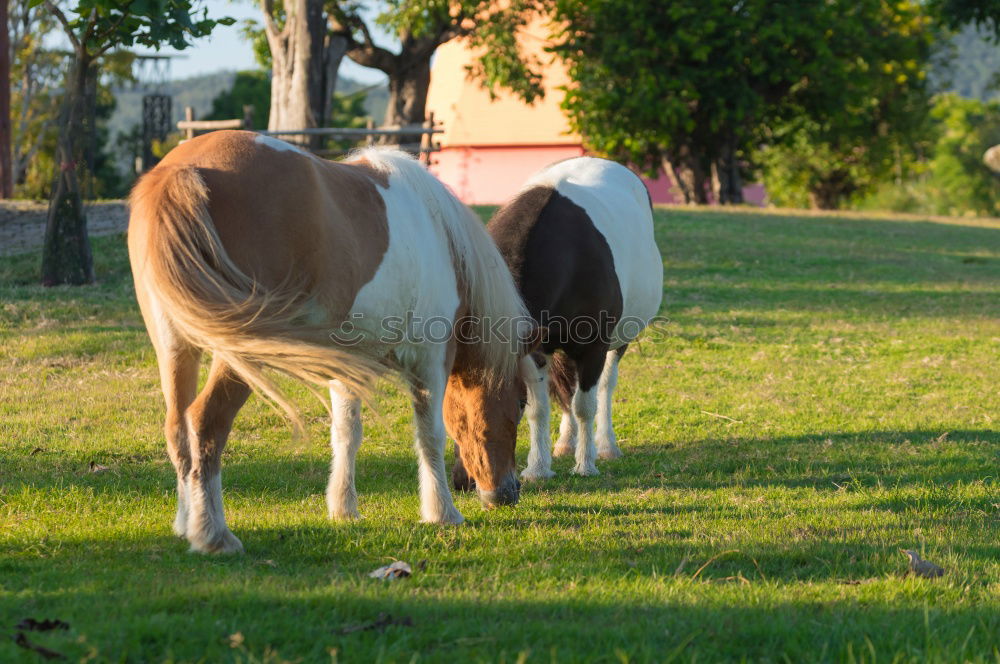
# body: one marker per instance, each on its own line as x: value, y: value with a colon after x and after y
x: 578, y: 240
x: 329, y: 272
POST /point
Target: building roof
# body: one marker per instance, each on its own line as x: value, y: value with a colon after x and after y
x: 471, y: 118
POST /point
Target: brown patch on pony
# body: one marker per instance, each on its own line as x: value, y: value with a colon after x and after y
x: 257, y: 254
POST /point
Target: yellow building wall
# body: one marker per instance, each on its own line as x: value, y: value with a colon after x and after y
x: 471, y: 118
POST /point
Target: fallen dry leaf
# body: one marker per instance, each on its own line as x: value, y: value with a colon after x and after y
x: 396, y: 570
x: 97, y: 468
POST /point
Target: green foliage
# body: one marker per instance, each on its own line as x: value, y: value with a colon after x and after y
x: 37, y: 77
x: 866, y: 122
x: 692, y: 80
x: 946, y: 176
x: 957, y: 13
x: 958, y: 181
x: 253, y: 32
x: 107, y: 24
x: 250, y: 88
x: 649, y: 79
x: 489, y: 27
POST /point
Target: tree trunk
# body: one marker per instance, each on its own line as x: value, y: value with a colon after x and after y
x: 689, y: 175
x: 727, y: 183
x: 305, y: 58
x: 331, y: 46
x: 66, y: 257
x: 409, y: 75
x: 827, y: 192
x: 407, y: 104
x: 6, y: 165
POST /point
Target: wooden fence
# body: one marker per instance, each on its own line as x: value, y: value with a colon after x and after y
x: 424, y: 147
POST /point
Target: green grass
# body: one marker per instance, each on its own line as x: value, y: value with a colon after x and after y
x: 856, y: 359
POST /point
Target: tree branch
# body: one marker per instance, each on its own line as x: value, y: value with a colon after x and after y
x: 64, y: 23
x: 111, y: 30
x: 270, y: 27
x: 368, y: 54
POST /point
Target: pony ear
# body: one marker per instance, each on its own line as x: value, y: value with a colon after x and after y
x: 533, y: 339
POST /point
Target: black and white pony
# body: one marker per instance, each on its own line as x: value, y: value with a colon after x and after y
x: 578, y: 240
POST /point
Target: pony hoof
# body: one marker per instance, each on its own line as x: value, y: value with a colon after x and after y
x: 533, y: 474
x: 180, y: 526
x: 609, y: 453
x: 344, y: 515
x: 223, y: 543
x: 586, y: 470
x: 451, y: 517
x: 563, y: 449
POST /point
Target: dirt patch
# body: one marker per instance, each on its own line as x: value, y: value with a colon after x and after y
x: 22, y: 223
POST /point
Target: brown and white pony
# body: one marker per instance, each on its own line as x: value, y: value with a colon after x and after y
x: 578, y: 240
x: 331, y: 273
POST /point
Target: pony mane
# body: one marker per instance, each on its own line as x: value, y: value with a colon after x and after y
x: 483, y: 275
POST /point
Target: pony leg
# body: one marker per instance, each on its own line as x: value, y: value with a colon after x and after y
x: 536, y: 379
x: 178, y: 365
x: 589, y: 369
x: 607, y: 442
x: 566, y: 445
x: 179, y: 380
x: 210, y: 419
x: 345, y: 439
x: 427, y: 393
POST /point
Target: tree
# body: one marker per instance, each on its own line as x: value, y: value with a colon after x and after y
x: 955, y: 14
x: 93, y: 28
x: 305, y: 53
x: 684, y: 85
x: 695, y: 83
x: 958, y: 180
x: 250, y: 88
x: 6, y: 176
x: 867, y: 122
x: 37, y: 74
x: 423, y: 26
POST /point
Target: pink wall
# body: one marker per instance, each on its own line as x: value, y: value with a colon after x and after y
x: 492, y: 175
x: 484, y: 175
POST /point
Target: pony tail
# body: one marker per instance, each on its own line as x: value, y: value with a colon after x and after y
x: 216, y: 306
x: 562, y: 380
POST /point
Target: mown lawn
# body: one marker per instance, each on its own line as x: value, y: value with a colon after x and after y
x: 824, y: 394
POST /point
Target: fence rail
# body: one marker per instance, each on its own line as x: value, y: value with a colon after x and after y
x: 425, y: 131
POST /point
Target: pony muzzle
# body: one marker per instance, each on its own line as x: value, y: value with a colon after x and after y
x: 506, y: 493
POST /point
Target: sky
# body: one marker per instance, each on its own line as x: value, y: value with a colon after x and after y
x: 225, y: 48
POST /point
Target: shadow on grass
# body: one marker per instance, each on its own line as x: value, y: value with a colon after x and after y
x: 302, y: 608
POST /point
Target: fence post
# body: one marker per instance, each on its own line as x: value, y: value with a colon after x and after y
x: 427, y: 140
x: 188, y: 116
x: 248, y: 117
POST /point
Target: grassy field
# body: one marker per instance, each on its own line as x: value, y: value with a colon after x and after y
x: 824, y: 394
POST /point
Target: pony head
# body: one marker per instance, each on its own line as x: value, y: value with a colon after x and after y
x: 482, y: 414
